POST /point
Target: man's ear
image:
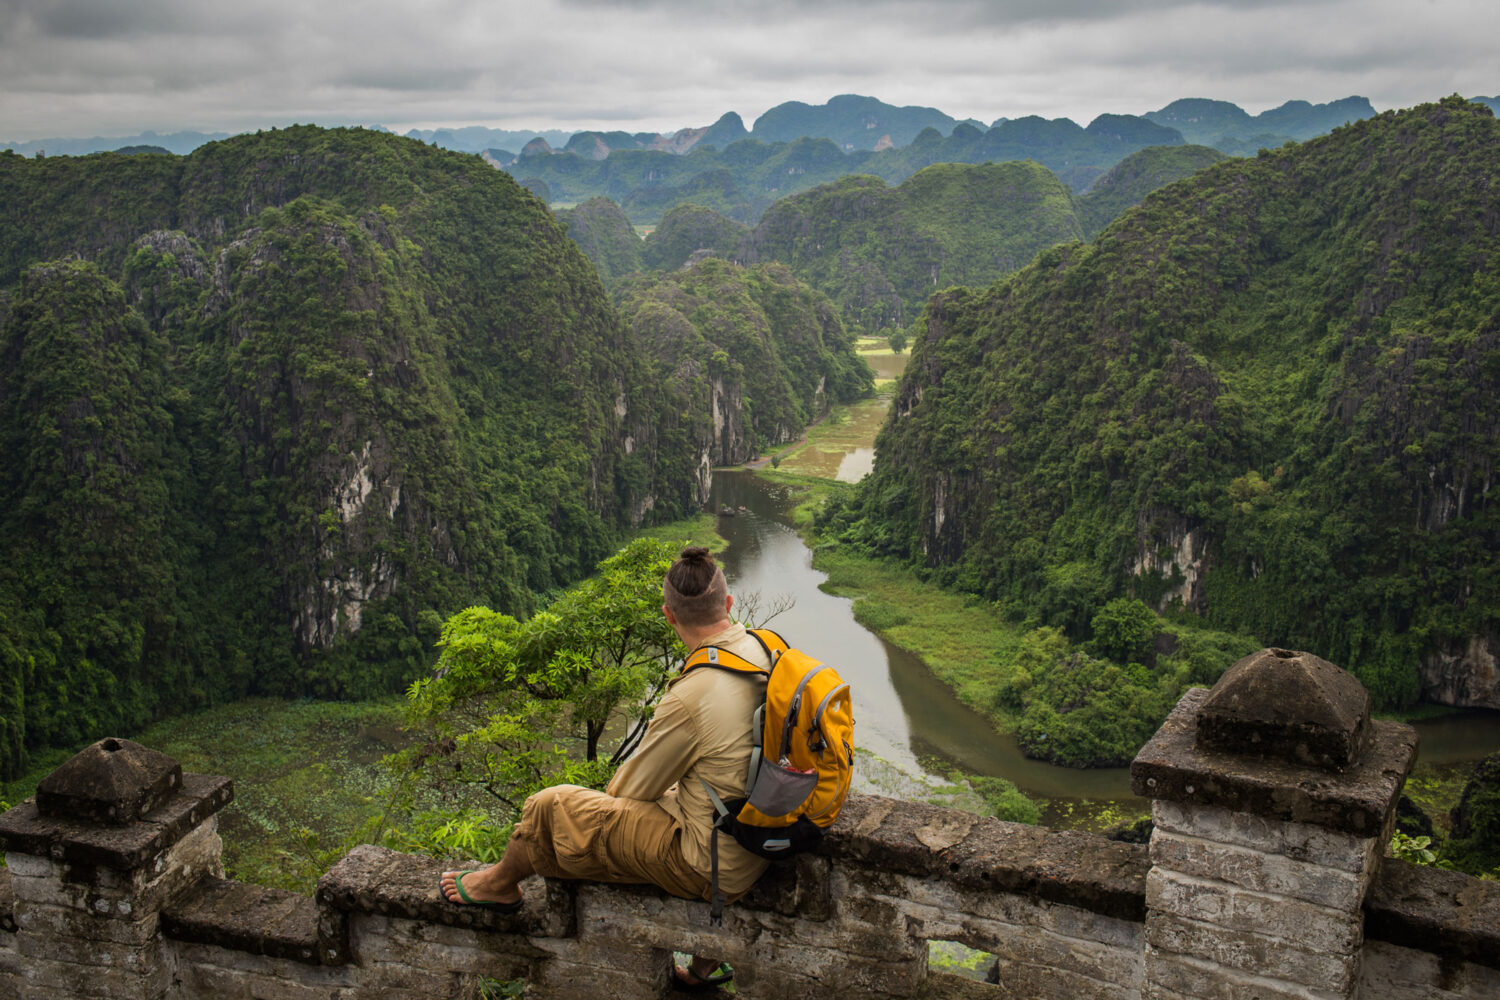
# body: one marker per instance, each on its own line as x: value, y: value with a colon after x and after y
x: 728, y: 603
x: 671, y: 618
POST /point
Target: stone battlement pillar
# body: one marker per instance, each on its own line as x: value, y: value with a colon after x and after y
x: 1273, y: 796
x: 111, y: 837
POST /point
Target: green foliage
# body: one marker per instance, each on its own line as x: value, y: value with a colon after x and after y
x: 1416, y: 850
x: 740, y: 178
x: 755, y: 346
x: 1005, y: 801
x: 688, y: 229
x: 1266, y: 395
x: 1124, y: 631
x: 605, y: 236
x: 515, y: 706
x: 1475, y: 842
x: 270, y: 411
x: 1140, y: 173
x: 879, y: 252
x: 898, y: 341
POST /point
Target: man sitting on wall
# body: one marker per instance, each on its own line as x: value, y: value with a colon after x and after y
x: 654, y: 823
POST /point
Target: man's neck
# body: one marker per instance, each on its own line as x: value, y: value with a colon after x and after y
x: 693, y: 636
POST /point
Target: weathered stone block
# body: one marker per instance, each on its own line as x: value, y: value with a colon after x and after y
x: 1290, y: 705
x: 1173, y: 767
x: 135, y: 958
x: 1446, y: 913
x: 248, y: 918
x: 988, y: 855
x: 128, y: 895
x: 93, y: 981
x: 1253, y: 954
x: 1391, y: 972
x: 24, y: 830
x: 467, y: 950
x: 113, y: 782
x: 380, y: 881
x: 203, y: 979
x: 67, y: 922
x: 254, y: 968
x: 1172, y: 975
x: 1083, y: 959
x: 1249, y: 869
x: 1023, y: 980
x: 565, y: 980
x: 938, y: 906
x: 1299, y: 841
x: 1213, y: 902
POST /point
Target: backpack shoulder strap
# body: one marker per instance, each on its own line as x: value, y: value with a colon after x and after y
x: 771, y: 641
x: 722, y: 659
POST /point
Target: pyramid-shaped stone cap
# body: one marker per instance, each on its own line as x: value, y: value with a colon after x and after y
x: 1291, y: 705
x: 113, y: 781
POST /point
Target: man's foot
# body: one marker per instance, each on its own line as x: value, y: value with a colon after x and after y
x: 476, y: 893
x: 701, y: 975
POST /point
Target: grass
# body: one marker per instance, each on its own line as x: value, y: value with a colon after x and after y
x: 696, y: 530
x: 847, y: 428
x: 307, y: 778
x: 964, y: 641
x: 308, y: 775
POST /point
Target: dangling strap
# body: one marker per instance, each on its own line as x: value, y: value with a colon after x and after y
x: 718, y: 899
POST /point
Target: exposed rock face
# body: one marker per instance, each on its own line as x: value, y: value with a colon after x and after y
x: 1177, y: 553
x: 1467, y: 677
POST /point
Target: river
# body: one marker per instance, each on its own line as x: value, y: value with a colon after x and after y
x: 912, y: 720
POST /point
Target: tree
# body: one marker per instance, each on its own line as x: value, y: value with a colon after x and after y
x: 898, y: 341
x: 514, y: 706
x: 1124, y: 630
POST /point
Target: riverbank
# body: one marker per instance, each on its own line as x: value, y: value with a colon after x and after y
x: 972, y: 650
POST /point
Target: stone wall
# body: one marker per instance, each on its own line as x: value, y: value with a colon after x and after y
x: 1264, y: 879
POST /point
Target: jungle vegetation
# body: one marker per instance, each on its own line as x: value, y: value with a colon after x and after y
x: 1261, y: 402
x: 272, y: 411
x: 878, y: 252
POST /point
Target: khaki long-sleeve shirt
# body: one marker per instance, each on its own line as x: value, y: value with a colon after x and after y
x: 701, y: 729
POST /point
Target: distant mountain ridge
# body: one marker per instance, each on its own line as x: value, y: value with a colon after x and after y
x: 1229, y: 129
x: 851, y: 121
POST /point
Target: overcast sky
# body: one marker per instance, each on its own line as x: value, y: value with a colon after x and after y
x: 117, y: 67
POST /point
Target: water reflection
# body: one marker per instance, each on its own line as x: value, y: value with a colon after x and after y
x: 903, y: 713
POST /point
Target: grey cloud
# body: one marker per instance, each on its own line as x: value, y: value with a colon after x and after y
x: 408, y: 78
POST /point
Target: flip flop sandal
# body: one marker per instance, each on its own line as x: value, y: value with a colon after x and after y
x: 458, y: 883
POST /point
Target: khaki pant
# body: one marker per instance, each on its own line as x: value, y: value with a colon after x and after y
x: 573, y: 832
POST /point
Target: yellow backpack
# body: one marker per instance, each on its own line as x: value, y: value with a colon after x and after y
x: 803, y: 756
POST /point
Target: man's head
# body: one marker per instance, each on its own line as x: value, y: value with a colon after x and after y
x: 695, y: 593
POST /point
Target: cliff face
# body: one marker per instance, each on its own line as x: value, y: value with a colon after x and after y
x: 307, y: 392
x: 1268, y: 393
x: 1465, y: 675
x: 742, y: 358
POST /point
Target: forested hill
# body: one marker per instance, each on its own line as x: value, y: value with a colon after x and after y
x: 743, y: 178
x: 1270, y: 393
x: 879, y: 252
x: 269, y: 411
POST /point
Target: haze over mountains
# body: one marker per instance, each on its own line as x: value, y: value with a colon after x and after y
x: 852, y: 122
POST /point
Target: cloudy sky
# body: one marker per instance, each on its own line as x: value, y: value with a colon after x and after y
x: 117, y: 67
